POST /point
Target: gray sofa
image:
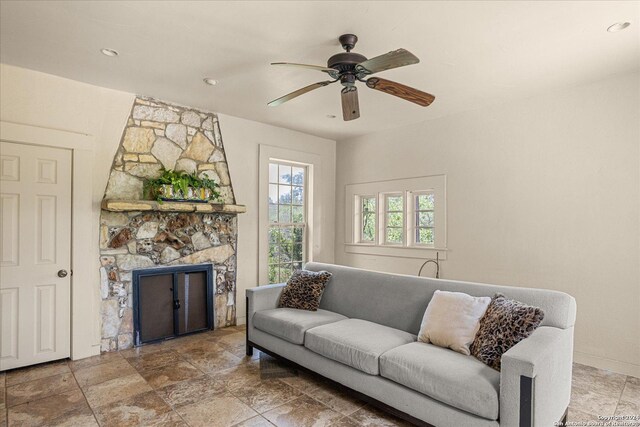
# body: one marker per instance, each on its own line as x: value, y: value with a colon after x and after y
x: 364, y: 337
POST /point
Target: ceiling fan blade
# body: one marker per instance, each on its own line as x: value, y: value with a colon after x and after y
x: 298, y: 92
x: 393, y: 59
x: 350, y: 107
x: 405, y: 92
x: 313, y: 67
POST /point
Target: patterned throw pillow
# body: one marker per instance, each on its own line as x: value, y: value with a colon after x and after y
x: 304, y: 290
x: 505, y: 323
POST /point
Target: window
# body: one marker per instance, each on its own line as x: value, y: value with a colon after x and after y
x: 423, y: 219
x: 287, y: 220
x: 394, y: 219
x: 368, y: 219
x: 404, y: 217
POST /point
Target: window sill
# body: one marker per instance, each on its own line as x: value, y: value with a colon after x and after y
x: 395, y: 251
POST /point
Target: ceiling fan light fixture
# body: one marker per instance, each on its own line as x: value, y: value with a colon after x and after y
x: 618, y: 26
x: 109, y: 52
x: 210, y: 81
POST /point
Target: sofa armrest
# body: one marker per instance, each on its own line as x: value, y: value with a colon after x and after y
x: 262, y: 298
x: 535, y: 379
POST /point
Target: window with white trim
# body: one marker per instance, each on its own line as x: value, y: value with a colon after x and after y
x: 394, y: 228
x: 404, y: 217
x: 287, y: 220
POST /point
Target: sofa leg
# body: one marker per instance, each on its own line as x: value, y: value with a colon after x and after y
x: 526, y: 401
x: 249, y: 348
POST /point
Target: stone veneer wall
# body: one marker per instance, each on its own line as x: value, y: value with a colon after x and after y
x: 159, y: 134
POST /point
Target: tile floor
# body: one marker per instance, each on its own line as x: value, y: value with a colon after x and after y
x: 206, y: 380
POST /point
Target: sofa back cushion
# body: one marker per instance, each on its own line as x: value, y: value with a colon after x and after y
x: 399, y: 301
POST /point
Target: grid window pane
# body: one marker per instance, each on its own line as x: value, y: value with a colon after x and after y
x: 425, y: 202
x: 424, y: 236
x: 273, y: 213
x: 425, y: 219
x: 298, y: 234
x: 297, y: 214
x: 273, y: 173
x: 394, y: 235
x: 368, y: 204
x: 284, y: 194
x: 273, y: 193
x: 395, y: 219
x: 284, y: 214
x: 297, y: 176
x: 285, y: 174
x: 297, y: 195
x: 394, y: 203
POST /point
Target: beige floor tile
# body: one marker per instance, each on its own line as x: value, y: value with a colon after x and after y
x: 146, y: 409
x: 213, y: 362
x: 221, y: 410
x: 336, y: 399
x: 171, y: 374
x: 220, y: 332
x: 238, y: 376
x: 103, y: 372
x: 107, y: 357
x: 265, y: 395
x: 42, y: 411
x: 232, y: 341
x: 82, y: 418
x: 144, y: 350
x: 628, y: 408
x: 576, y: 415
x: 3, y: 403
x: 631, y: 391
x: 345, y: 422
x: 155, y: 360
x: 191, y: 391
x: 37, y: 389
x: 369, y: 416
x: 303, y: 382
x: 115, y: 390
x: 3, y: 377
x: 36, y: 372
x: 607, y: 383
x: 302, y: 412
x: 593, y: 403
x: 255, y: 422
x: 195, y: 347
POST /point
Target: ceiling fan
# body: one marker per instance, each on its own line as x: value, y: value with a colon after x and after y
x: 349, y: 67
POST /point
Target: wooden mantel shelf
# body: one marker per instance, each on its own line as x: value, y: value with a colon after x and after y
x: 151, y: 205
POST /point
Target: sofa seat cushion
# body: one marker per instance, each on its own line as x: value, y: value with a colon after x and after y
x: 291, y: 324
x: 444, y: 375
x: 354, y: 342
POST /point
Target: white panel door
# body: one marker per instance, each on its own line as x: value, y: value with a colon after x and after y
x: 35, y: 227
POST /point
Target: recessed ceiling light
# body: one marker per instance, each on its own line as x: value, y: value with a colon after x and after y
x: 210, y: 81
x: 618, y: 26
x: 109, y: 52
x: 331, y: 116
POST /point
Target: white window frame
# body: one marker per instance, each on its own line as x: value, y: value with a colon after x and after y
x: 413, y: 226
x: 313, y: 164
x: 304, y: 225
x: 382, y: 210
x: 410, y: 188
x: 359, y: 218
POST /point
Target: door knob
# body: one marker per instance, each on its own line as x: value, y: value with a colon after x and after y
x: 62, y: 273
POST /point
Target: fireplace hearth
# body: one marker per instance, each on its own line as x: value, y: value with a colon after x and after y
x: 172, y: 301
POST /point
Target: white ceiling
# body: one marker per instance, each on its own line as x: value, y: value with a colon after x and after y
x: 473, y: 54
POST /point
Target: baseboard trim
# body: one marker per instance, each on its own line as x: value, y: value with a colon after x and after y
x: 617, y: 366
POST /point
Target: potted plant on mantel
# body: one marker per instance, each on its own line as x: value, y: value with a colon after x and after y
x: 181, y: 187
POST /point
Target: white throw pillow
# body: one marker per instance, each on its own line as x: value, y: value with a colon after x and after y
x: 452, y: 320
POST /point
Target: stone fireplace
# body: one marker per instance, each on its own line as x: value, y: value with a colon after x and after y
x: 136, y: 233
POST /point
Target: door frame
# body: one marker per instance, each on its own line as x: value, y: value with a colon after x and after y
x: 85, y: 221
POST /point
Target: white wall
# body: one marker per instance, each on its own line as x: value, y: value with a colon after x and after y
x: 543, y: 192
x: 48, y: 110
x: 242, y: 139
